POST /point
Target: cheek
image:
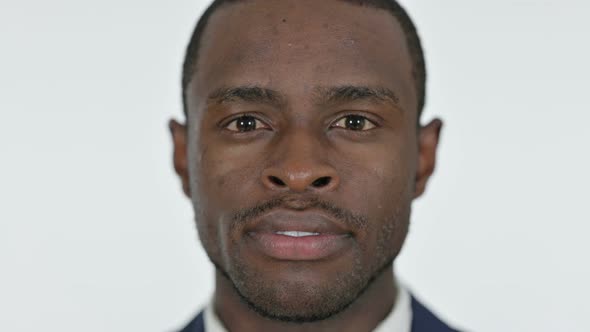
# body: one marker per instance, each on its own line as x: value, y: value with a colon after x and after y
x: 217, y: 169
x: 383, y: 191
x: 225, y: 181
x: 219, y: 175
x: 382, y: 175
x: 391, y: 192
x: 228, y: 182
x: 229, y: 177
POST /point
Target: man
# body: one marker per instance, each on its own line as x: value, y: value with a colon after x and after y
x: 302, y: 153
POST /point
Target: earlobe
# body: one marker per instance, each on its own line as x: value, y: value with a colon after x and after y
x: 179, y: 140
x: 428, y: 139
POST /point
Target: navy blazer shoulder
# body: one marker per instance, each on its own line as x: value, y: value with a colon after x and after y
x: 422, y: 321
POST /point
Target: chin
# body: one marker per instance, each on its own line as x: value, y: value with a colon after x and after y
x: 297, y: 302
x: 300, y: 292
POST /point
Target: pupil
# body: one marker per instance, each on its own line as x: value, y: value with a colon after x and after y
x: 355, y: 122
x: 246, y: 123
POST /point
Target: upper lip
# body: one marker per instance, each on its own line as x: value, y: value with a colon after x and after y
x: 284, y: 220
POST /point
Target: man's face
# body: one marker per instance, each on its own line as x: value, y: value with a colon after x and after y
x: 303, y: 152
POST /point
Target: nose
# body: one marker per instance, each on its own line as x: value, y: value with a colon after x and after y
x: 300, y: 165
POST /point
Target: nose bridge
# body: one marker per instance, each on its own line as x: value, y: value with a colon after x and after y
x: 300, y: 164
x: 300, y: 144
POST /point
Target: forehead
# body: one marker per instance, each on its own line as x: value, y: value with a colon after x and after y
x: 294, y: 46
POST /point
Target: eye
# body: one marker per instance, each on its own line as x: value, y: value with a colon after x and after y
x: 245, y: 123
x: 354, y: 122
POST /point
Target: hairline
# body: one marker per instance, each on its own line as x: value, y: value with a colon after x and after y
x: 407, y: 25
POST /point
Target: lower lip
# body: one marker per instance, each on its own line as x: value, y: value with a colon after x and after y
x: 305, y: 248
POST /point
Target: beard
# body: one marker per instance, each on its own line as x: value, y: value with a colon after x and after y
x: 303, y: 301
x: 300, y: 302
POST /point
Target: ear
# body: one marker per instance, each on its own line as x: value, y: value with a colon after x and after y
x: 179, y: 139
x: 428, y: 139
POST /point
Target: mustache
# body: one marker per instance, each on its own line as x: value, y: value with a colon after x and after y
x: 350, y: 219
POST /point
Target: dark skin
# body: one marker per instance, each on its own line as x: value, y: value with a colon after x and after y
x: 303, y: 101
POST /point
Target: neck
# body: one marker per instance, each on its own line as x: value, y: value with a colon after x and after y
x: 367, y: 311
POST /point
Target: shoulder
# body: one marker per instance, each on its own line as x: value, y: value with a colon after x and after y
x: 196, y: 325
x: 423, y: 320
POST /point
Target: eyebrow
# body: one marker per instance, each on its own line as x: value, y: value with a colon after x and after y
x: 251, y: 94
x: 352, y: 93
x: 321, y: 95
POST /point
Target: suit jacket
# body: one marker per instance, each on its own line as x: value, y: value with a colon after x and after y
x: 422, y: 321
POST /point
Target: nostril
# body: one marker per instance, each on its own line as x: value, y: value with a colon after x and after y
x: 276, y: 181
x: 322, y: 182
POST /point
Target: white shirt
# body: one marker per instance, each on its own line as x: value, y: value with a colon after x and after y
x: 398, y: 320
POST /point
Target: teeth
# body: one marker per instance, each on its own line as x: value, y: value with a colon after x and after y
x: 297, y: 234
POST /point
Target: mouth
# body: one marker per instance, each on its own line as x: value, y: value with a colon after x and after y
x: 289, y: 235
x: 296, y: 233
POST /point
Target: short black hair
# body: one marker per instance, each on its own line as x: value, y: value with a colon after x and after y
x: 412, y: 40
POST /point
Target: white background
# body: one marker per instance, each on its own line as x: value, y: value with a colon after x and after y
x: 95, y: 234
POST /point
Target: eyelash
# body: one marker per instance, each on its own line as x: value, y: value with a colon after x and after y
x: 374, y: 123
x: 225, y: 124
